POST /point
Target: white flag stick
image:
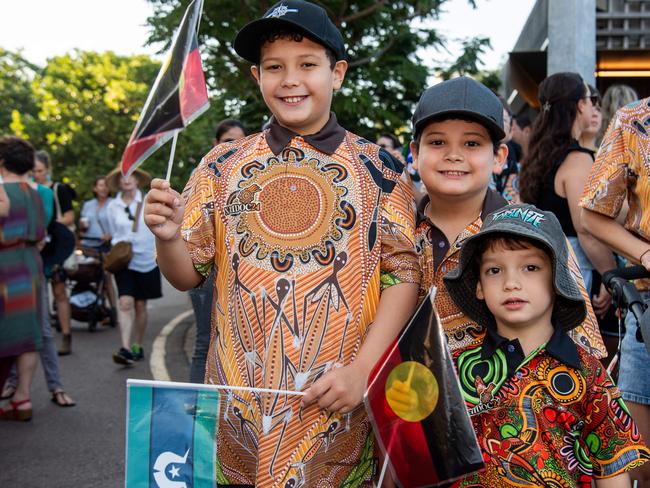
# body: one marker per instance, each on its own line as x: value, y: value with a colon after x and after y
x: 200, y: 386
x: 383, y: 472
x: 171, y: 157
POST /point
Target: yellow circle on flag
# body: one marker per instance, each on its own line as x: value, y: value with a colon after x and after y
x: 412, y: 391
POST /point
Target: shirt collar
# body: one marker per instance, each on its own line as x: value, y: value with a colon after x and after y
x: 326, y: 140
x: 492, y: 201
x: 560, y: 346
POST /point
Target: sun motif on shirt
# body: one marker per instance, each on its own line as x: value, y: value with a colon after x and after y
x: 304, y: 213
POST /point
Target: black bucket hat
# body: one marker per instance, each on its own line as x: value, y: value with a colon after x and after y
x: 527, y: 221
x: 463, y: 97
x: 298, y: 16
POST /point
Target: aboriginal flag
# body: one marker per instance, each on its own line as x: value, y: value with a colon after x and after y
x: 170, y: 435
x: 178, y: 96
x: 417, y: 409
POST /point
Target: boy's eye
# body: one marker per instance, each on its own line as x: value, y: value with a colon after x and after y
x: 473, y: 143
x: 308, y: 65
x: 532, y: 267
x: 492, y: 271
x: 436, y: 142
x: 272, y: 67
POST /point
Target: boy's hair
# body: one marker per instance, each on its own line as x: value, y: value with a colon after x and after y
x: 17, y: 154
x: 293, y: 35
x: 506, y: 242
x: 494, y: 138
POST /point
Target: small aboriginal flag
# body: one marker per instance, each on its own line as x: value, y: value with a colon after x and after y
x: 179, y: 94
x: 170, y: 435
x: 416, y: 407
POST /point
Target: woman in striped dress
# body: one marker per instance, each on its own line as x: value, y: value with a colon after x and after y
x: 22, y: 231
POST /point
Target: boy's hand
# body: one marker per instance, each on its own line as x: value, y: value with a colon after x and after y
x: 339, y: 390
x: 163, y: 210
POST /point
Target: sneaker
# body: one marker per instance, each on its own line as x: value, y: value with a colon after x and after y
x: 123, y: 356
x: 137, y: 351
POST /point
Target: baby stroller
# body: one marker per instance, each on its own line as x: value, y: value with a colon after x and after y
x: 89, y: 300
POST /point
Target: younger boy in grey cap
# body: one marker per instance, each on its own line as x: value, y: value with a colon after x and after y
x: 545, y: 411
x: 458, y: 128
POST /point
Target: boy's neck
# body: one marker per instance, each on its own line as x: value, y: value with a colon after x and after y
x: 451, y: 215
x: 530, y: 337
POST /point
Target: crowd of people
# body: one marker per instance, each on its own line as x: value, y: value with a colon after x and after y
x: 305, y: 249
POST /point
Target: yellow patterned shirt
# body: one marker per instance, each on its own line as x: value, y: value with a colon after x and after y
x: 303, y: 242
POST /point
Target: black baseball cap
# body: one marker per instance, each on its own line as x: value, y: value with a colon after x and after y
x: 463, y: 97
x: 298, y: 16
x: 524, y: 221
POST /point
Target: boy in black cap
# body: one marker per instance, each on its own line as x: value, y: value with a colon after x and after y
x: 310, y: 229
x: 458, y: 126
x: 545, y: 411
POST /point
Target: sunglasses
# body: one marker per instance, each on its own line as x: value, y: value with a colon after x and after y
x: 129, y: 214
x: 595, y: 100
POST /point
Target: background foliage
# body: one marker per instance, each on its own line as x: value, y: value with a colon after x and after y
x: 82, y: 106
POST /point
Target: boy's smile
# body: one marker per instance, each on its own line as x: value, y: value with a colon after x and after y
x: 297, y: 83
x: 517, y: 286
x: 455, y: 158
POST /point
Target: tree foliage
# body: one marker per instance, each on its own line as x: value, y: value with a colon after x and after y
x: 385, y: 78
x: 82, y: 107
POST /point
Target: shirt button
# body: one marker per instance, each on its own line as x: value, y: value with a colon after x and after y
x: 443, y: 268
x: 511, y: 348
x: 519, y: 374
x: 441, y: 244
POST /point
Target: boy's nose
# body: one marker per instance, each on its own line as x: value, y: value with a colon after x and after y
x: 453, y: 156
x: 511, y: 281
x: 290, y: 79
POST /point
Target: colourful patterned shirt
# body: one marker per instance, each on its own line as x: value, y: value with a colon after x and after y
x: 438, y: 257
x: 553, y: 418
x: 622, y: 169
x: 303, y: 242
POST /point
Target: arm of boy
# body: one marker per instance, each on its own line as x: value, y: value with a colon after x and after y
x: 163, y: 214
x: 342, y: 389
x: 619, y: 481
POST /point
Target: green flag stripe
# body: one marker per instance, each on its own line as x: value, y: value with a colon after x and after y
x: 205, y: 429
x: 138, y: 435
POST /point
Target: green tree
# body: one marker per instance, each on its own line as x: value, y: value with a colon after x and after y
x: 87, y: 104
x: 15, y: 87
x: 385, y: 78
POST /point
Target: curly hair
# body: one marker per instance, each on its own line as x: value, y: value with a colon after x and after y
x: 551, y: 135
x: 292, y: 35
x: 16, y: 154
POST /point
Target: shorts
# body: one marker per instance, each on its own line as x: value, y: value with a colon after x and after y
x: 633, y: 378
x: 139, y: 285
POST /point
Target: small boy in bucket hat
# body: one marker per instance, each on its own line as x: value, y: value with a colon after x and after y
x: 309, y: 229
x: 545, y: 411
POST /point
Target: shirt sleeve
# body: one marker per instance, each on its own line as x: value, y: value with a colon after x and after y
x: 198, y: 227
x: 399, y: 260
x: 606, y: 187
x: 610, y: 436
x: 66, y: 195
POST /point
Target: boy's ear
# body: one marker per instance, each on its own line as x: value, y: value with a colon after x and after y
x: 500, y: 158
x: 256, y: 73
x: 479, y: 290
x: 340, y: 68
x: 414, y: 153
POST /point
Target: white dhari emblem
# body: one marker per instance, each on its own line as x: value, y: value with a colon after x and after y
x: 281, y: 10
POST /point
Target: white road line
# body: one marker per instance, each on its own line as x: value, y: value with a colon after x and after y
x: 157, y: 361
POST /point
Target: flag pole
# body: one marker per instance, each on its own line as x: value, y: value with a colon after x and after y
x: 171, y: 157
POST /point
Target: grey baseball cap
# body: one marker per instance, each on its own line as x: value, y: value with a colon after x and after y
x: 299, y: 16
x: 463, y: 97
x: 526, y: 221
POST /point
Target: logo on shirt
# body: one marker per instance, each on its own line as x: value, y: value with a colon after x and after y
x: 281, y: 10
x: 523, y: 214
x: 243, y: 200
x: 485, y: 395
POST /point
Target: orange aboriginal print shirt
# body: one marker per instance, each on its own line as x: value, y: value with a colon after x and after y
x: 438, y: 257
x: 622, y: 170
x: 303, y: 242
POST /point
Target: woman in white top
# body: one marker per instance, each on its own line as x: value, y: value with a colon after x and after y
x: 94, y: 217
x: 140, y: 280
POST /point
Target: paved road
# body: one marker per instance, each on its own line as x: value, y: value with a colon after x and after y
x: 83, y: 446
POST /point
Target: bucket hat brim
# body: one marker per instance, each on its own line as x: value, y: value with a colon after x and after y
x: 113, y: 179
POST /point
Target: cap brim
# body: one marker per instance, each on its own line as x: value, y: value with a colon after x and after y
x: 247, y: 41
x: 487, y: 122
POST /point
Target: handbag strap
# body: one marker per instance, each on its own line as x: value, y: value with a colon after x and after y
x: 136, y: 220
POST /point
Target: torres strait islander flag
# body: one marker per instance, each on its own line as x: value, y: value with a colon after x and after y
x: 179, y: 94
x: 170, y: 435
x: 417, y: 409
